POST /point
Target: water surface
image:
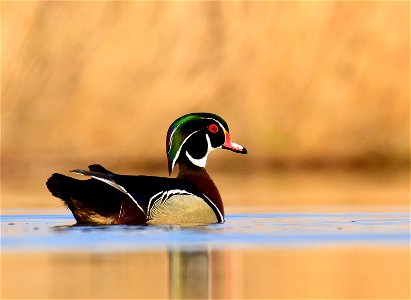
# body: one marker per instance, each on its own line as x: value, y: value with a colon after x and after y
x: 257, y: 253
x: 55, y: 230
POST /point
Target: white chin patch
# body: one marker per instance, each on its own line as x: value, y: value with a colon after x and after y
x: 201, y: 162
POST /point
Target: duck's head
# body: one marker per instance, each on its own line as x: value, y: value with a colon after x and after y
x: 193, y: 136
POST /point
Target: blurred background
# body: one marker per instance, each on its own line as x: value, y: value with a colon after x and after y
x: 318, y: 92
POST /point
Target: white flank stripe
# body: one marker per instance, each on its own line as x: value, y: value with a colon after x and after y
x: 219, y: 212
x: 151, y: 199
x: 118, y: 187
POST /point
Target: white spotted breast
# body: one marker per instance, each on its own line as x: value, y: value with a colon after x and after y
x: 180, y: 207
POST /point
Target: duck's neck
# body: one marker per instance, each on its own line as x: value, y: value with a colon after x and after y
x: 200, y: 178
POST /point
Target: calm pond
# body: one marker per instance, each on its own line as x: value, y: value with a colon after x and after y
x: 337, y: 252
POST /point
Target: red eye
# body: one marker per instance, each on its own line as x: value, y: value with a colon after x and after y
x: 213, y: 128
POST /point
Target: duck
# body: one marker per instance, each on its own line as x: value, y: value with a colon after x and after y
x: 190, y: 198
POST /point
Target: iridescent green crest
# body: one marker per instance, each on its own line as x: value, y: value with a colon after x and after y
x: 182, y: 128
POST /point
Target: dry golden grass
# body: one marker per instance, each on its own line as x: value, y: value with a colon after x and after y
x: 317, y: 82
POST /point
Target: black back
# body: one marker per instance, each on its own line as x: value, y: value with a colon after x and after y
x: 91, y: 199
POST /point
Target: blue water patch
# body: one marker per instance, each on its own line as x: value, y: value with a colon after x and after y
x: 49, y: 231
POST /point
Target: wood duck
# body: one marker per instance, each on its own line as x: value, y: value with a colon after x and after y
x: 191, y: 198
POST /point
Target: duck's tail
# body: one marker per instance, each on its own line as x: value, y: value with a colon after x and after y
x: 89, y: 200
x: 62, y: 187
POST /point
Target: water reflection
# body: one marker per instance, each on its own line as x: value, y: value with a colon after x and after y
x: 203, y: 274
x: 327, y: 255
x: 189, y: 274
x: 324, y: 273
x: 190, y: 271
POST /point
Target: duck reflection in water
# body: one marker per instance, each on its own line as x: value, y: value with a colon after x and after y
x: 190, y: 269
x: 189, y: 274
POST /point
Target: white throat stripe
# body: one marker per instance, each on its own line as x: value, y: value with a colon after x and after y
x: 201, y: 162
